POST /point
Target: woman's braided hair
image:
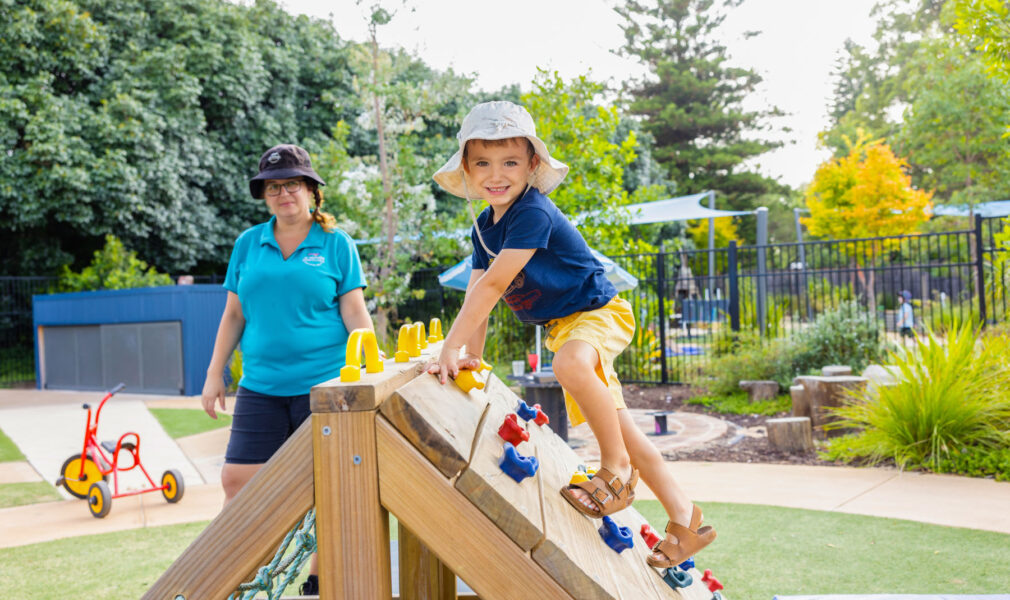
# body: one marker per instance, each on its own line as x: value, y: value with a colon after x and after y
x: 327, y: 221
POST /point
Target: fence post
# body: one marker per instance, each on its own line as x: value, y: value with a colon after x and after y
x: 762, y: 283
x: 661, y: 292
x: 734, y: 290
x: 980, y: 270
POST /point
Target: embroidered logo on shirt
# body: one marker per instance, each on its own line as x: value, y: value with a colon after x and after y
x: 314, y: 259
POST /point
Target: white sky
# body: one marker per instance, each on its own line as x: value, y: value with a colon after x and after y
x: 795, y: 53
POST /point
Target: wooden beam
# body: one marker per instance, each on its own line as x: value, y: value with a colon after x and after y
x: 372, y: 389
x: 422, y: 575
x: 455, y: 530
x: 352, y: 528
x: 248, y: 530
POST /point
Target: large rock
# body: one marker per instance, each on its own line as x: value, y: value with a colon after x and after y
x: 836, y: 370
x: 879, y: 375
x: 760, y: 389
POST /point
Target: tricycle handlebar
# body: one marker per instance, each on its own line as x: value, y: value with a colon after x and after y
x: 117, y: 389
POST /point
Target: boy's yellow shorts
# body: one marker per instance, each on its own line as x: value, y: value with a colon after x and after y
x: 609, y: 330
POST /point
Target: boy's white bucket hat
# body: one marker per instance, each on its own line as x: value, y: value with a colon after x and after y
x: 499, y: 120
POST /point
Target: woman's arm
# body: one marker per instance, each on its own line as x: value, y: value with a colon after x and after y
x: 229, y: 332
x: 354, y: 312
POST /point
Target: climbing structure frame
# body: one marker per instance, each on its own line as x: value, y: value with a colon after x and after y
x: 398, y: 441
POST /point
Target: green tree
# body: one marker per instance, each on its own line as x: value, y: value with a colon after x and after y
x: 582, y: 132
x: 953, y: 132
x: 987, y: 22
x: 145, y: 120
x: 386, y: 196
x: 872, y: 83
x: 692, y: 100
x: 112, y: 268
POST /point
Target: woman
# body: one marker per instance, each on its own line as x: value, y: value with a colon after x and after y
x: 294, y: 292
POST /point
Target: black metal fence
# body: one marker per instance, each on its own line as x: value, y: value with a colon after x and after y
x: 17, y: 340
x: 690, y: 304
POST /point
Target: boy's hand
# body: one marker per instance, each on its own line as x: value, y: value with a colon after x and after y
x: 450, y: 362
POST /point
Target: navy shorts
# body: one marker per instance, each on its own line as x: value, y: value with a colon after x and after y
x: 261, y: 424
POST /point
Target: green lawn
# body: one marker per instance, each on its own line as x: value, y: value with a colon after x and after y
x: 761, y: 551
x: 19, y: 494
x: 180, y: 422
x: 8, y: 451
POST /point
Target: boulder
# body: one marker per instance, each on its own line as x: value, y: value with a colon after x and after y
x: 879, y: 375
x: 836, y: 370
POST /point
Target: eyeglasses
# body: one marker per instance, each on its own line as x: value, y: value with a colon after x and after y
x: 274, y: 189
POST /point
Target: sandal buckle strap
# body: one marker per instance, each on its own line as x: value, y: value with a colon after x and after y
x: 601, y: 496
x: 611, y: 484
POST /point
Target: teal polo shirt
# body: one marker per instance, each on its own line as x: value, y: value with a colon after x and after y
x: 294, y: 335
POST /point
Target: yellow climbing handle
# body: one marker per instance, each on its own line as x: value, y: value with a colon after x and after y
x: 422, y: 339
x: 435, y: 330
x: 361, y: 339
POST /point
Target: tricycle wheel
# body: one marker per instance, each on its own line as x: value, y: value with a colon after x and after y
x: 99, y: 499
x: 174, y: 486
x: 70, y: 471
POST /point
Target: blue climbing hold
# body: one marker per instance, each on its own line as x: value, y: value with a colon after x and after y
x: 687, y: 564
x: 526, y: 412
x: 676, y: 578
x: 618, y: 538
x: 516, y: 465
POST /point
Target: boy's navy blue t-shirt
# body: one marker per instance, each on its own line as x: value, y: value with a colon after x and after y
x: 562, y: 278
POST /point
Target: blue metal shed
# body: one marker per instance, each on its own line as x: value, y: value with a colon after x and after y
x: 156, y: 340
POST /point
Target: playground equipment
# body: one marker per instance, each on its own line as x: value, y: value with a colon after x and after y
x: 396, y: 441
x: 85, y: 475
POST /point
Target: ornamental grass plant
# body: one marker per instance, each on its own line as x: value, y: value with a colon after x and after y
x: 953, y: 393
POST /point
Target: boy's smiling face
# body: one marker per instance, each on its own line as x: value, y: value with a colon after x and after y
x: 499, y: 172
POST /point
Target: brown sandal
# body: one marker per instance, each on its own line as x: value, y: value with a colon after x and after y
x: 689, y: 541
x: 607, y: 492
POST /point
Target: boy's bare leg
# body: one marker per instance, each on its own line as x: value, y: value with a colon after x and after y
x: 655, y: 473
x: 575, y: 367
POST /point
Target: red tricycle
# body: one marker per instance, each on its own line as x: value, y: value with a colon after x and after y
x: 85, y: 475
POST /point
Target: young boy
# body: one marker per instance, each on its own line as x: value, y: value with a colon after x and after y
x: 528, y: 253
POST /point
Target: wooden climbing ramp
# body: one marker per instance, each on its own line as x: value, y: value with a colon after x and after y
x: 398, y: 441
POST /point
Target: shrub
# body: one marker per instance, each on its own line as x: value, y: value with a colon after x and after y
x: 847, y: 335
x: 740, y: 404
x: 977, y: 461
x: 771, y: 360
x: 113, y: 268
x: 951, y: 395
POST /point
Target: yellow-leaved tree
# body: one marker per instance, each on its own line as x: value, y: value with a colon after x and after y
x: 725, y: 232
x: 865, y: 194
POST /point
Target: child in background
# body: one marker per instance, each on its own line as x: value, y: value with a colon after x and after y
x: 905, y: 319
x: 527, y: 252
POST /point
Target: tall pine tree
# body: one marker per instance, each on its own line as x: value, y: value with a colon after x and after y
x: 692, y: 100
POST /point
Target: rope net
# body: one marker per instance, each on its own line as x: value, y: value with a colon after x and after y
x: 298, y: 545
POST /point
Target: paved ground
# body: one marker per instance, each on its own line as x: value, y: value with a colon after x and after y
x: 940, y: 499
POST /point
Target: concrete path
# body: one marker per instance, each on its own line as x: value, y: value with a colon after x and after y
x: 938, y: 499
x: 18, y: 471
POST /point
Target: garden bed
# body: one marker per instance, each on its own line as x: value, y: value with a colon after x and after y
x: 744, y: 441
